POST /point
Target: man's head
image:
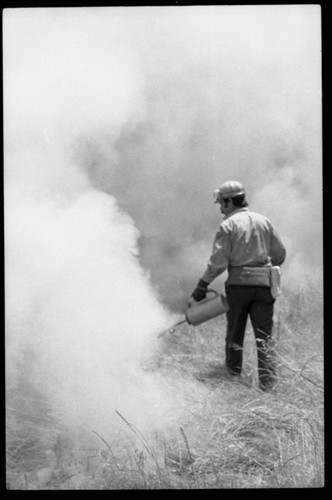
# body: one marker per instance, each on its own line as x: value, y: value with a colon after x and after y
x: 230, y: 195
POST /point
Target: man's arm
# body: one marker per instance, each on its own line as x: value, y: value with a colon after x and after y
x: 217, y: 264
x: 277, y: 249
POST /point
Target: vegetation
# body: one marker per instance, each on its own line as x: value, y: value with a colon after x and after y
x: 232, y: 435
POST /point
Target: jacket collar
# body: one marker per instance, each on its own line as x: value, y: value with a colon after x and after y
x: 237, y: 210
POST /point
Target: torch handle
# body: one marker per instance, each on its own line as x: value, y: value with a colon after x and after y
x: 194, y: 302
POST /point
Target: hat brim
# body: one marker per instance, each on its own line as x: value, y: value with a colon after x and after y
x: 223, y: 196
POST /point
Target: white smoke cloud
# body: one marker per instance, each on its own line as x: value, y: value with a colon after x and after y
x: 231, y: 92
x: 77, y: 297
x: 119, y: 123
x: 81, y: 314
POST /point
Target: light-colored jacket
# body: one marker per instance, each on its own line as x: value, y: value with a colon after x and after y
x: 245, y: 238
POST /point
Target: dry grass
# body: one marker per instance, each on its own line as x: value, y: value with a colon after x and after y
x: 231, y: 434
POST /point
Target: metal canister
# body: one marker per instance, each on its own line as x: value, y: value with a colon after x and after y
x: 199, y: 312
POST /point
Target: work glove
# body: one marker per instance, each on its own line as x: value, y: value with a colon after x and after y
x: 200, y: 291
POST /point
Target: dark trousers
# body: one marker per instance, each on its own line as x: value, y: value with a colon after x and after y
x: 257, y: 303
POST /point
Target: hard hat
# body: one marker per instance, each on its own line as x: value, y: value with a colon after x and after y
x: 229, y: 189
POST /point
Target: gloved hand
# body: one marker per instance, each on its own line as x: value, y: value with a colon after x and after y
x: 200, y: 291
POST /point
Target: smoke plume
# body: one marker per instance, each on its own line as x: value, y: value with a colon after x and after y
x: 119, y: 124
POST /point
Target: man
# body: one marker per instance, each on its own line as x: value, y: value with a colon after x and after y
x: 247, y: 246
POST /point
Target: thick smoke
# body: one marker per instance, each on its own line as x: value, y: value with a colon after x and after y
x: 119, y: 123
x: 226, y: 92
x: 81, y: 314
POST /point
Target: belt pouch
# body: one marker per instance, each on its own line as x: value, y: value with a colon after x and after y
x: 275, y: 278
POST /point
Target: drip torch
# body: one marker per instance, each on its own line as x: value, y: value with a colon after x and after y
x: 200, y: 312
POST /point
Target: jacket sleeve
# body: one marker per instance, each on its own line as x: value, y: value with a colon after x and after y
x: 219, y: 259
x: 277, y: 249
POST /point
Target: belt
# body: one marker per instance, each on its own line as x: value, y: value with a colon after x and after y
x: 249, y: 276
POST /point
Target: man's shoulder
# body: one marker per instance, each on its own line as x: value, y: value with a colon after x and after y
x: 245, y: 215
x: 257, y: 215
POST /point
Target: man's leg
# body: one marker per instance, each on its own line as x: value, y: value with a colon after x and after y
x: 239, y: 298
x: 261, y: 315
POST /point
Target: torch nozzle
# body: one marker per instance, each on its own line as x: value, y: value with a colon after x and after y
x: 172, y: 328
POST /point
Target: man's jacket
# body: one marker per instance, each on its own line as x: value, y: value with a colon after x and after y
x: 245, y: 240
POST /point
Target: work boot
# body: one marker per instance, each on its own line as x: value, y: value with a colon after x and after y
x: 231, y: 374
x: 237, y: 377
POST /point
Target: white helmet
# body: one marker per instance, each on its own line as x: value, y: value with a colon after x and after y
x: 230, y: 189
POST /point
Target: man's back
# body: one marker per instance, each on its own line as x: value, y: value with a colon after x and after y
x: 245, y: 238
x: 252, y: 239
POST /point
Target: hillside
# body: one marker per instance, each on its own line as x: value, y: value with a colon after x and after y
x: 230, y: 435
